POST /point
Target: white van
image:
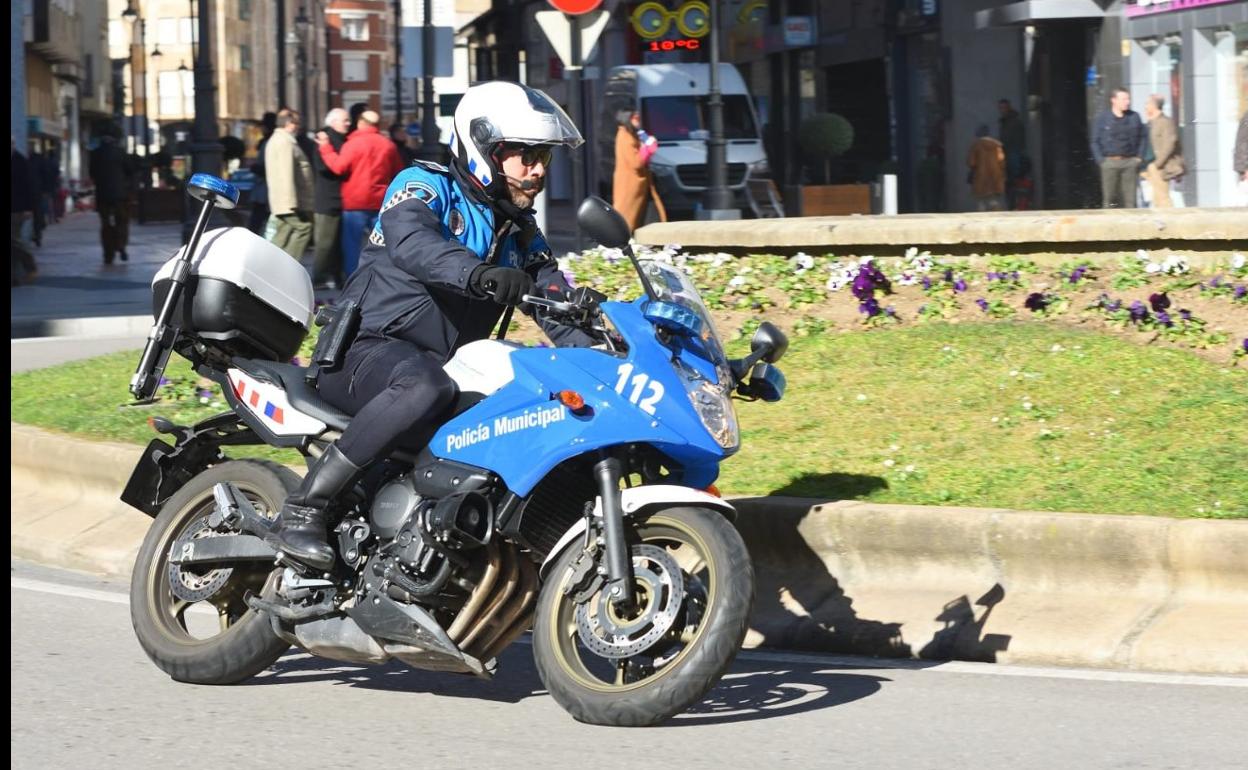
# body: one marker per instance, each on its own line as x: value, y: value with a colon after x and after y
x: 672, y: 100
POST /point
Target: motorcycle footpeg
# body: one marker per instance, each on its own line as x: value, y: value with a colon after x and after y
x: 235, y: 511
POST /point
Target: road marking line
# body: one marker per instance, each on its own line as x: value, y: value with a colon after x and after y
x: 814, y: 659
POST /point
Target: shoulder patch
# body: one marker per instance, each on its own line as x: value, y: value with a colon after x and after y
x: 422, y: 191
x: 457, y: 223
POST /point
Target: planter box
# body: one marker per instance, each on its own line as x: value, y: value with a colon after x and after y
x: 834, y: 199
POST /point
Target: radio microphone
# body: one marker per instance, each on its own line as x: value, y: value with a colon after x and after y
x: 523, y: 184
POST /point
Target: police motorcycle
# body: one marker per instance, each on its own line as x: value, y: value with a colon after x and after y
x: 567, y: 491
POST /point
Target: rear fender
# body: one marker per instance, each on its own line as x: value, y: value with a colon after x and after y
x: 163, y: 469
x: 639, y: 502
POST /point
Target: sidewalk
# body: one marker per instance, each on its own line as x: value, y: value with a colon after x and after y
x: 74, y: 282
x: 76, y: 294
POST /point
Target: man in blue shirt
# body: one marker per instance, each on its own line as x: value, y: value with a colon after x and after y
x: 1117, y: 145
x: 451, y: 249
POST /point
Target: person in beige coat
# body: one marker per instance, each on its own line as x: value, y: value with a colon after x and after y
x: 289, y: 175
x: 1168, y: 162
x: 633, y: 184
x: 987, y: 175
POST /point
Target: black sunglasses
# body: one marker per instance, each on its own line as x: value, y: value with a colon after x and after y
x: 531, y: 154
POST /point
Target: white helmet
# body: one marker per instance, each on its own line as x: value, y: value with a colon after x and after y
x: 500, y: 112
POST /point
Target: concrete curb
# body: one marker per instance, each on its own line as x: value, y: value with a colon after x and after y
x: 888, y: 580
x: 1090, y: 231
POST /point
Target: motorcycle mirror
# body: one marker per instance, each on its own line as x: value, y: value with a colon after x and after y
x: 603, y: 223
x: 769, y: 342
x: 206, y: 187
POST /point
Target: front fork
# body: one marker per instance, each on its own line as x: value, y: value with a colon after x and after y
x: 619, y: 567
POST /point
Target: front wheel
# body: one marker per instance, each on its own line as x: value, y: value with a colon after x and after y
x: 193, y: 623
x: 631, y: 667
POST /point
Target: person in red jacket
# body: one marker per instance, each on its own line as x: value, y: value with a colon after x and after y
x: 367, y: 163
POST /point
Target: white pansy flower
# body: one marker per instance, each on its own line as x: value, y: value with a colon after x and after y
x: 835, y: 283
x: 1152, y: 267
x: 1238, y: 260
x: 1175, y: 264
x: 907, y: 279
x: 738, y: 280
x: 865, y: 260
x: 803, y: 262
x: 912, y: 252
x: 1141, y: 255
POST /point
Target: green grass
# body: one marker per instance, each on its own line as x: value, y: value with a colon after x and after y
x: 905, y: 415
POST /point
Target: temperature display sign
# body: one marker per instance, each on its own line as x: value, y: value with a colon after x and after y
x: 680, y: 44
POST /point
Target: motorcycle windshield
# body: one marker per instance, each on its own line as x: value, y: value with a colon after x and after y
x: 673, y: 285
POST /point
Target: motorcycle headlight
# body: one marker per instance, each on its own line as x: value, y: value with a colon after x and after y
x: 714, y: 407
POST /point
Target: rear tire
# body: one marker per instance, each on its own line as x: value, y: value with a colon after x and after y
x: 705, y: 650
x: 246, y: 645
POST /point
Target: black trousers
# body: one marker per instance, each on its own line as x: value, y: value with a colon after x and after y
x: 395, y: 389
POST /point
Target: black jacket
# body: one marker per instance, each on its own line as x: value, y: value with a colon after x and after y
x: 413, y: 281
x: 111, y: 172
x: 328, y: 199
x: 1123, y: 137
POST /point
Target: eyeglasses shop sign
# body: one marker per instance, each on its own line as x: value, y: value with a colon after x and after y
x: 799, y: 31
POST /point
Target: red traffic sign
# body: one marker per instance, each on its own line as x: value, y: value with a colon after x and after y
x: 575, y: 7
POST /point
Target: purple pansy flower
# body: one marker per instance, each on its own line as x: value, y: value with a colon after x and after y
x: 1159, y: 302
x: 1216, y: 282
x: 1077, y: 274
x: 1246, y: 344
x: 1163, y: 318
x: 890, y: 312
x: 871, y: 307
x: 163, y: 381
x: 959, y: 285
x: 1036, y: 302
x: 983, y: 304
x: 949, y: 275
x: 1240, y: 291
x: 927, y: 283
x: 1138, y: 311
x: 1186, y: 315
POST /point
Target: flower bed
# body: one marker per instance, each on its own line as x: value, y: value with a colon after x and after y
x: 1206, y: 312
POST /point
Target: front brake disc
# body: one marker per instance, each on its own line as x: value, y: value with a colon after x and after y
x: 659, y: 590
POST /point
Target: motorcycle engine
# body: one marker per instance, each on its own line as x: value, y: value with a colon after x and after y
x: 421, y: 541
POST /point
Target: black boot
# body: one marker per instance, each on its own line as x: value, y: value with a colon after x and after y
x: 302, y: 527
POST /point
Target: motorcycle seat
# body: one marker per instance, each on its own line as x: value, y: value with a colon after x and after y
x: 302, y: 394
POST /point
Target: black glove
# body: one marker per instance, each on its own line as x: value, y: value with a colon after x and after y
x: 506, y: 284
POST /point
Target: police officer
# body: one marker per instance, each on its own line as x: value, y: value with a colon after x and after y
x: 451, y: 249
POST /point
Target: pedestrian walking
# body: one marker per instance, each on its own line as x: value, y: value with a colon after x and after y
x: 1167, y: 164
x: 22, y: 266
x: 986, y: 161
x: 112, y: 174
x: 260, y: 189
x: 633, y: 183
x: 289, y: 176
x: 1013, y: 143
x: 327, y: 264
x: 1117, y: 146
x: 367, y: 163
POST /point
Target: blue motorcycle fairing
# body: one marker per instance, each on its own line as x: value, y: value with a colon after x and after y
x: 521, y: 431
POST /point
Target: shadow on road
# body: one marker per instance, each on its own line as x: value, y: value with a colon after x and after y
x: 758, y: 690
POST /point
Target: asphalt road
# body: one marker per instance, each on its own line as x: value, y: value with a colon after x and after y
x: 83, y: 694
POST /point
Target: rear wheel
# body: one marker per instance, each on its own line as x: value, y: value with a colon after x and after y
x: 192, y: 622
x: 637, y: 666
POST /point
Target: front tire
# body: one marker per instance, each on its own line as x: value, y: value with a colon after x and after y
x: 676, y: 670
x: 245, y: 644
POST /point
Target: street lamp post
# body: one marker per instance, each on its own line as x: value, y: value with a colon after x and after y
x: 138, y: 69
x: 719, y: 199
x: 206, y: 151
x: 430, y: 135
x: 301, y: 61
